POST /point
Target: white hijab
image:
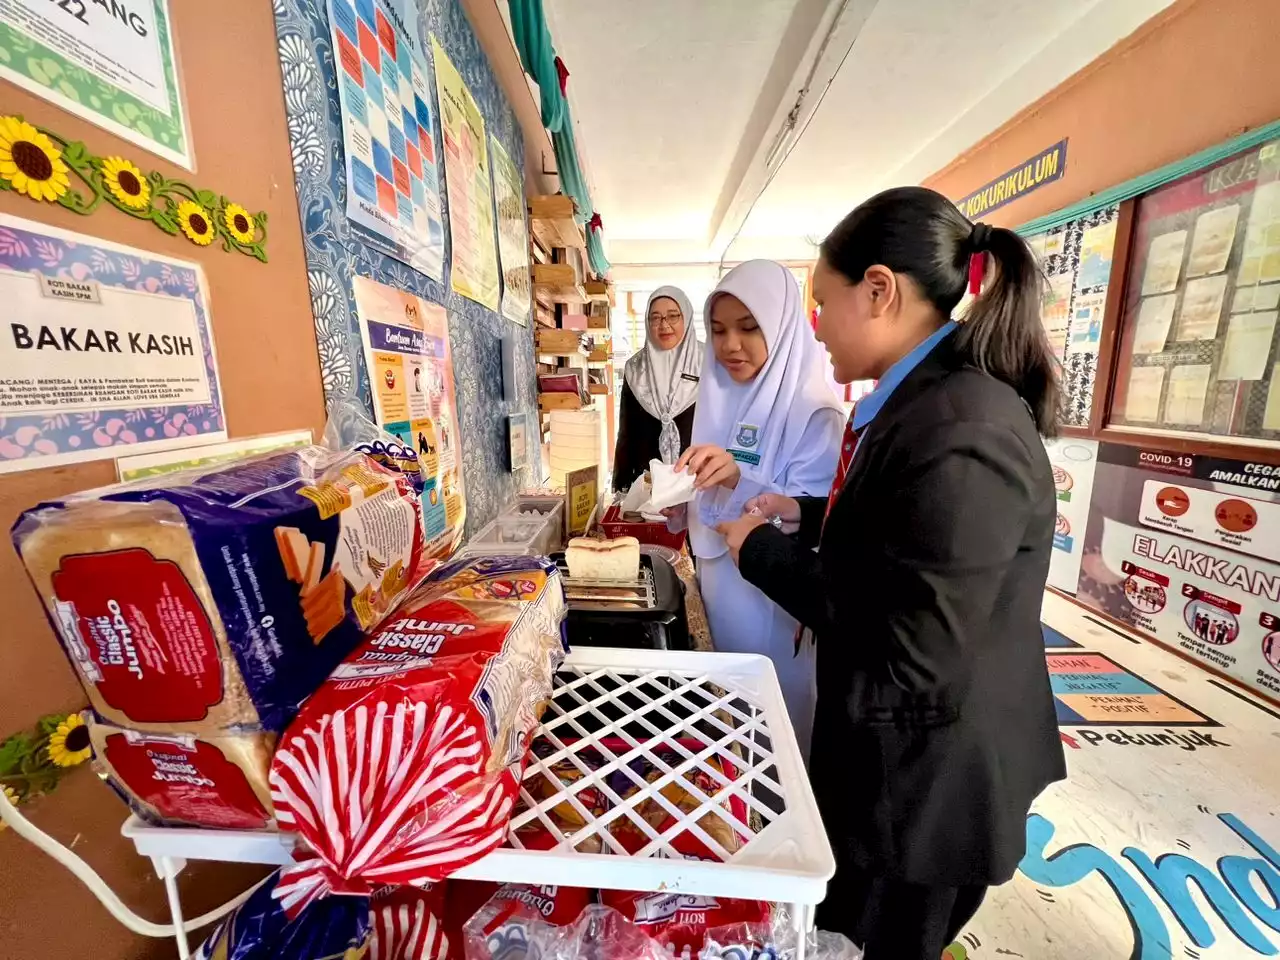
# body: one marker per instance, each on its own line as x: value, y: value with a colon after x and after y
x: 666, y: 381
x: 762, y: 422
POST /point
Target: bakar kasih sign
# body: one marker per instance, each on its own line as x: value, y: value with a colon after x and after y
x: 1044, y: 168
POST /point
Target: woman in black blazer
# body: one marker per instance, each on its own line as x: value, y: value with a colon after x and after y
x: 935, y: 725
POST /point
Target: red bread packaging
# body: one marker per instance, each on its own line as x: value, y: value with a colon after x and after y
x: 212, y: 781
x: 405, y: 764
x: 406, y: 923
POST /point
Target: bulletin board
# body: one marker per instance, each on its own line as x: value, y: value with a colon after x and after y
x: 1076, y: 259
x: 269, y: 380
x: 336, y: 253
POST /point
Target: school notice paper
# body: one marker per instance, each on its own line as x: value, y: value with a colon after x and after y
x: 1164, y: 263
x: 1154, y: 316
x: 1055, y: 313
x: 105, y: 350
x: 1248, y: 344
x: 406, y: 344
x: 1143, y: 401
x: 109, y: 63
x: 1188, y: 386
x: 513, y: 236
x: 393, y: 189
x: 1201, y: 308
x: 473, y: 270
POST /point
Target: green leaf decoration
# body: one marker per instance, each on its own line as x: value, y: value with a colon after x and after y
x: 13, y: 751
x: 161, y: 203
x: 47, y: 725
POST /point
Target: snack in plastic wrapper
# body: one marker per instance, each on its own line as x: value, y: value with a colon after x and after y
x: 181, y: 779
x: 336, y: 928
x: 778, y: 940
x: 404, y: 766
x: 510, y: 930
x: 407, y: 923
x: 565, y: 817
x: 221, y: 597
x: 680, y: 921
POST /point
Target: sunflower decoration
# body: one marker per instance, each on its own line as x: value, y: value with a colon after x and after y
x: 195, y: 223
x: 240, y: 223
x: 126, y: 183
x: 29, y: 161
x: 11, y: 795
x: 69, y: 743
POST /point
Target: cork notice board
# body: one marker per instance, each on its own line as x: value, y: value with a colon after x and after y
x: 261, y: 320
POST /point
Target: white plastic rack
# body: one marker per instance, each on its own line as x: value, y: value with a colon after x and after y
x: 634, y: 727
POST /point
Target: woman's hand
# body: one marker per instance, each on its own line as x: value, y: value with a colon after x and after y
x: 776, y: 505
x: 711, y: 465
x: 735, y: 532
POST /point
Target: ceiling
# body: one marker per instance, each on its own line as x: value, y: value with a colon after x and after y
x: 681, y: 108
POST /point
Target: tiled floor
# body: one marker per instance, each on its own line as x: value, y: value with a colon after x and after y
x: 1165, y: 840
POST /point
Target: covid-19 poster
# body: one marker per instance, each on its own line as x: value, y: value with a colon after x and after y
x: 1186, y: 549
x: 1073, y: 463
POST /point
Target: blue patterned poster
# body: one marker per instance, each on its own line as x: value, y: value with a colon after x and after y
x: 104, y: 350
x: 393, y: 189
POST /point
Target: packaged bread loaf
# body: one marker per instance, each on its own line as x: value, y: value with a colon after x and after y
x: 184, y: 780
x: 220, y: 598
x: 405, y: 764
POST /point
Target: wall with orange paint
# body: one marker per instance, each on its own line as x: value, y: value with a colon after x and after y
x: 1200, y: 73
x: 270, y: 376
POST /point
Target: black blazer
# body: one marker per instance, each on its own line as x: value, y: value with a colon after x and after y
x: 638, y: 432
x: 935, y: 725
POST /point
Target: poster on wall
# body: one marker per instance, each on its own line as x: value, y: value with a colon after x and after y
x: 406, y: 349
x: 513, y: 236
x: 110, y: 63
x: 105, y: 350
x: 1073, y: 462
x: 393, y: 189
x: 1184, y: 548
x: 473, y: 268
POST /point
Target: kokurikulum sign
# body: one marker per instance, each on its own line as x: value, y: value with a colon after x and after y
x: 1045, y: 167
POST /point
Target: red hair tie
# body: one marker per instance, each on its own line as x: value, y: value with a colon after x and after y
x: 563, y: 73
x: 595, y: 223
x: 977, y: 270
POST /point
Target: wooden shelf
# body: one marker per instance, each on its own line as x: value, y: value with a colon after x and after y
x: 564, y: 343
x: 559, y: 401
x: 559, y: 282
x: 599, y: 389
x: 598, y: 355
x: 552, y: 220
x: 600, y: 291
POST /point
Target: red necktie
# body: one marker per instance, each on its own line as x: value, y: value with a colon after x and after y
x: 848, y: 447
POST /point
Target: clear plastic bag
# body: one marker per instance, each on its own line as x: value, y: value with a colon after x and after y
x: 778, y: 940
x: 515, y: 931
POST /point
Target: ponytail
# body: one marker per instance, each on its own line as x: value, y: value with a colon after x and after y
x: 920, y: 233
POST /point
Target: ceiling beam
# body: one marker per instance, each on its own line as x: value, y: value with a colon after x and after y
x: 804, y: 57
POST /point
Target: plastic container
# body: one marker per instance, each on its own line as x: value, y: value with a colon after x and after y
x: 547, y: 504
x: 655, y: 533
x: 521, y: 535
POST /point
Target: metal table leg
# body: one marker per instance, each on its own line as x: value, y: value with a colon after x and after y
x: 168, y: 869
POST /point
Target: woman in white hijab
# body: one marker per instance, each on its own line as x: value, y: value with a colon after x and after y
x: 766, y: 421
x: 659, y: 387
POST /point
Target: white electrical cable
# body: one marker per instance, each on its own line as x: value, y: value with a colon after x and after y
x: 98, y: 887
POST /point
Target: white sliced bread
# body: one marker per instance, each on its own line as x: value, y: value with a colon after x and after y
x: 603, y: 559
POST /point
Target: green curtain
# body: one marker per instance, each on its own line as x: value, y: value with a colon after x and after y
x: 538, y: 55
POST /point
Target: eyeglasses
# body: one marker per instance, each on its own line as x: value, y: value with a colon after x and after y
x: 668, y: 321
